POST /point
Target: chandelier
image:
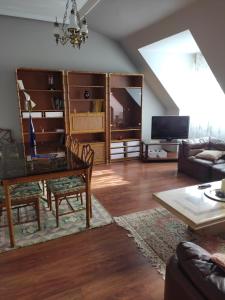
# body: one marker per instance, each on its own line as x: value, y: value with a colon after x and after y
x: 76, y: 32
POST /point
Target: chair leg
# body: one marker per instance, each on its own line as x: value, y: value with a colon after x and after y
x: 81, y: 199
x: 43, y: 186
x: 90, y: 207
x: 57, y: 211
x: 49, y: 199
x: 37, y: 207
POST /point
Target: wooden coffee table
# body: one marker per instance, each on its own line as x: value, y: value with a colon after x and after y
x: 193, y: 207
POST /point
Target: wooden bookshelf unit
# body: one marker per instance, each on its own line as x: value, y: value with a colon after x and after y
x: 102, y: 109
x: 46, y: 89
x: 125, y: 101
x: 87, y: 106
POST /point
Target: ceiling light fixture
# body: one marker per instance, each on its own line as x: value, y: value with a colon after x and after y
x: 76, y: 32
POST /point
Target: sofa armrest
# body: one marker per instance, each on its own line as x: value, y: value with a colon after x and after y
x: 178, y: 285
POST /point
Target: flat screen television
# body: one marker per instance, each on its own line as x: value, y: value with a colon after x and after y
x: 170, y: 127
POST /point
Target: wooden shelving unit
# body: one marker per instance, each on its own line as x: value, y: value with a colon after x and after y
x: 48, y: 115
x: 87, y: 110
x: 97, y: 108
x: 125, y: 101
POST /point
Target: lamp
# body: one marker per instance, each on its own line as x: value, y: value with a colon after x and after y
x: 76, y: 32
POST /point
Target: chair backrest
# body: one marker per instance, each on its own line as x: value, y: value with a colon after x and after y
x: 74, y: 146
x: 88, y: 157
x: 5, y: 136
x: 68, y: 141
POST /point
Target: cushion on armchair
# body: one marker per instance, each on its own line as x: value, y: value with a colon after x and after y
x: 212, y: 155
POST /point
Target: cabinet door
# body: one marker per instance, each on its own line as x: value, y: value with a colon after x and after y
x: 87, y: 122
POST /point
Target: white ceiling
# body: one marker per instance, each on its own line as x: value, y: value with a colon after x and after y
x: 114, y: 18
x: 45, y: 10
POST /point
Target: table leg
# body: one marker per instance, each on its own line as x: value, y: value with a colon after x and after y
x: 146, y: 151
x: 141, y: 151
x: 88, y: 195
x: 9, y: 214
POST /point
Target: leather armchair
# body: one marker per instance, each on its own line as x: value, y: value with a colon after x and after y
x: 191, y: 275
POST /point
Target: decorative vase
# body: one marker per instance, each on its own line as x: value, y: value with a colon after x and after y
x: 86, y: 95
x: 51, y: 83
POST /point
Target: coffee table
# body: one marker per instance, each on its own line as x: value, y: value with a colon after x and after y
x: 193, y: 207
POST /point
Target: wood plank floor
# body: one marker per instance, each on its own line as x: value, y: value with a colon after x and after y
x: 100, y: 264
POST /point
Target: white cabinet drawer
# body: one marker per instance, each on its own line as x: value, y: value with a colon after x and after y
x: 26, y: 115
x: 116, y: 145
x: 133, y: 154
x: 133, y: 143
x: 117, y: 156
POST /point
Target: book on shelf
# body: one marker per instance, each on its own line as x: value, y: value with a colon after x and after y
x: 57, y: 103
x: 20, y: 84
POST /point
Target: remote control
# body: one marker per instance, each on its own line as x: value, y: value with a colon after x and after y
x: 204, y: 186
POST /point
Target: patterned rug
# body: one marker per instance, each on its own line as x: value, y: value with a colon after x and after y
x: 157, y: 233
x: 27, y: 234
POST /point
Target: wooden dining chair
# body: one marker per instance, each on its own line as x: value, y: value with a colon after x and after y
x: 65, y: 187
x: 72, y: 147
x: 23, y: 195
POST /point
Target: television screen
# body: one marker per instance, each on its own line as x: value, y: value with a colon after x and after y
x: 170, y: 127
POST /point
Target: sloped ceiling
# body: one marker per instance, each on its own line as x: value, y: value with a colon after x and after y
x: 114, y: 18
x: 119, y: 18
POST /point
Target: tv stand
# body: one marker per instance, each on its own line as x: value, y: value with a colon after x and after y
x: 159, y: 151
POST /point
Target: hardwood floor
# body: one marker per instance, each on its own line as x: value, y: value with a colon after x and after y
x: 124, y: 188
x: 100, y: 264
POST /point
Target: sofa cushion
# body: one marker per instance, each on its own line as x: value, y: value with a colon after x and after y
x: 216, y: 144
x: 212, y: 155
x: 189, y: 145
x: 219, y: 167
x: 206, y: 276
x: 218, y: 171
x: 193, y: 152
x: 203, y: 162
x: 197, y: 143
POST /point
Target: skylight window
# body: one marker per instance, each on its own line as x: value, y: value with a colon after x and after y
x: 183, y: 71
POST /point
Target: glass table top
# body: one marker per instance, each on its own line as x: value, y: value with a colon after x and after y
x: 14, y: 164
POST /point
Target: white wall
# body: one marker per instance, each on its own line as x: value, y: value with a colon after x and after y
x: 174, y: 72
x: 27, y: 43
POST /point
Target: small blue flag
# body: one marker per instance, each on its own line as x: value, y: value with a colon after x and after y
x: 33, y: 145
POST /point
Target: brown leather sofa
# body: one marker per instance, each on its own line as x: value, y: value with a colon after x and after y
x: 201, y: 169
x: 191, y: 275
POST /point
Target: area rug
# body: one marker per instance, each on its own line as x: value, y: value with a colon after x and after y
x: 157, y: 233
x: 27, y: 234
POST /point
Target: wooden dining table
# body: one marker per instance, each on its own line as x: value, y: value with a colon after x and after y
x: 16, y: 167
